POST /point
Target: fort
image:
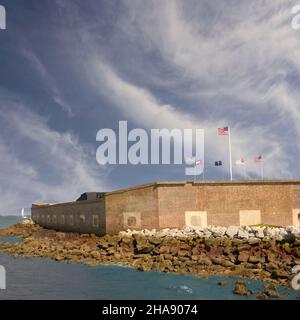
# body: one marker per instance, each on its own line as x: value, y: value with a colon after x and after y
x: 176, y: 204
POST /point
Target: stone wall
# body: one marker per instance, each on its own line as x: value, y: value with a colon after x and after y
x: 82, y: 216
x: 229, y: 203
x: 220, y: 203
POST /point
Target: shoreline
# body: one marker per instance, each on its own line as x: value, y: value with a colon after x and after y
x: 185, y: 253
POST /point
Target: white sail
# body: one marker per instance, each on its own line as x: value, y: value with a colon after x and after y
x: 23, y: 214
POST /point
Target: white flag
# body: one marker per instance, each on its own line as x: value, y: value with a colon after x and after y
x: 240, y: 162
x: 190, y: 160
x: 199, y: 163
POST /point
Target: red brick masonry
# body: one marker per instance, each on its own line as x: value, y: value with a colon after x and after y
x: 175, y: 204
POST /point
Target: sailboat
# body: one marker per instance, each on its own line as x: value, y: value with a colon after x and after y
x: 23, y: 214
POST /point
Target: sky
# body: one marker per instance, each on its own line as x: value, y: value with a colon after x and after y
x: 69, y: 68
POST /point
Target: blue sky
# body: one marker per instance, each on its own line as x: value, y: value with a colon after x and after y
x: 69, y: 68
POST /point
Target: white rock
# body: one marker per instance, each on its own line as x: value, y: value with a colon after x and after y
x: 243, y: 234
x: 260, y: 233
x: 278, y: 237
x: 217, y: 234
x: 199, y: 233
x: 207, y: 233
x: 270, y: 232
x: 292, y: 229
x: 232, y: 231
x: 248, y: 229
x: 27, y: 221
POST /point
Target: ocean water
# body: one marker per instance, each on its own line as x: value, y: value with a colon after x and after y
x: 38, y: 278
x: 10, y: 239
x: 6, y: 221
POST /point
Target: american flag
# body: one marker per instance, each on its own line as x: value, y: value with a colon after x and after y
x: 223, y: 131
x: 258, y: 159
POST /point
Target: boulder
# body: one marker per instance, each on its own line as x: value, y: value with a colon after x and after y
x: 262, y: 296
x: 126, y: 239
x: 222, y: 262
x: 292, y: 229
x: 218, y: 231
x: 203, y: 274
x: 296, y: 261
x: 164, y: 249
x: 271, y: 257
x: 147, y: 249
x: 227, y: 263
x: 232, y: 231
x: 286, y: 247
x: 271, y: 266
x: 207, y: 234
x: 253, y: 241
x: 117, y: 256
x: 271, y: 291
x: 243, y: 256
x: 174, y: 250
x: 290, y: 237
x: 195, y: 257
x: 280, y: 274
x: 168, y: 256
x: 184, y: 253
x: 205, y: 261
x: 244, y: 247
x: 260, y: 233
x: 242, y: 234
x: 241, y: 289
x: 59, y: 258
x: 154, y: 240
x: 254, y: 259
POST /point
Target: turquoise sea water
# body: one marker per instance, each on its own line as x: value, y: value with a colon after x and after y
x: 45, y: 279
x: 6, y: 221
x: 11, y: 239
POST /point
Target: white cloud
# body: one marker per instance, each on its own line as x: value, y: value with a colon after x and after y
x: 238, y: 59
x: 142, y: 108
x: 48, y: 81
x: 40, y: 164
x: 244, y: 54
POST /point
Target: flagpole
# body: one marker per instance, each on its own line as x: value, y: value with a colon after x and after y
x: 194, y: 171
x: 230, y: 157
x: 262, y: 170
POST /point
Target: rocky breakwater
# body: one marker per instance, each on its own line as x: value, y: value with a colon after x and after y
x: 262, y: 253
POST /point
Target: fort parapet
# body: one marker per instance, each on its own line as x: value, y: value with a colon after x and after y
x: 175, y: 204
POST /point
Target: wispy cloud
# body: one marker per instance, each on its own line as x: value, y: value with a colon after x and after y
x: 40, y: 164
x: 240, y: 88
x: 48, y: 81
